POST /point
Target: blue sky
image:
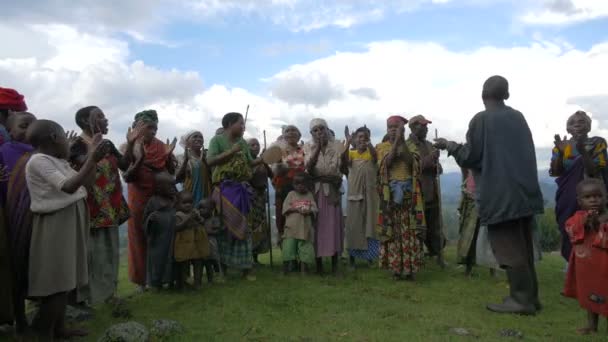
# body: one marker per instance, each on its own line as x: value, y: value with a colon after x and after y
x: 350, y: 61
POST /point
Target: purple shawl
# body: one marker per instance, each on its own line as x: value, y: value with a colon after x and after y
x: 234, y: 206
x: 16, y: 199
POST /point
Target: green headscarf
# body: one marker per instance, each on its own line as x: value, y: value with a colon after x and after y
x: 147, y: 116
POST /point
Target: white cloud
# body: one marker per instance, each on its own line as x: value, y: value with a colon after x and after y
x: 557, y: 12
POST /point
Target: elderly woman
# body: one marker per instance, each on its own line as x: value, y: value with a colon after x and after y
x: 572, y: 161
x: 193, y: 171
x: 291, y: 163
x: 323, y: 162
x: 257, y: 217
x: 232, y: 164
x: 401, y: 204
x: 147, y: 156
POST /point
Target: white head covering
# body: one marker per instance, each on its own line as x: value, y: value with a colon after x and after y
x: 318, y: 122
x: 183, y: 141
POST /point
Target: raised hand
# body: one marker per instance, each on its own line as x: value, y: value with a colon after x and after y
x: 99, y: 147
x: 171, y: 146
x: 72, y: 136
x: 441, y: 144
x: 559, y: 142
x: 135, y: 133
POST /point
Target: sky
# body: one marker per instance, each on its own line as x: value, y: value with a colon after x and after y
x: 352, y: 62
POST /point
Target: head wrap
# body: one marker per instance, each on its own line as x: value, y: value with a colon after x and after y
x: 396, y: 118
x: 147, y: 116
x: 318, y: 122
x: 183, y: 141
x: 10, y: 99
x: 584, y: 115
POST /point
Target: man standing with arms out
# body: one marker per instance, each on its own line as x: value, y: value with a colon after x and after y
x: 500, y: 151
x: 429, y: 161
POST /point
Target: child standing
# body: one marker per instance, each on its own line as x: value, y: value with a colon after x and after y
x: 58, y: 250
x: 159, y: 228
x: 191, y: 244
x: 362, y: 198
x: 588, y: 266
x: 213, y: 227
x: 299, y: 209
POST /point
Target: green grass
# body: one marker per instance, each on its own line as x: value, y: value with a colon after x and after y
x: 362, y: 306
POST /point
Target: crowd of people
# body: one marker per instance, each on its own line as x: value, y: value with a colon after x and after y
x: 204, y: 212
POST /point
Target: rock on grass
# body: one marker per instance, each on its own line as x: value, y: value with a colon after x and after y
x: 164, y: 328
x: 511, y: 333
x: 126, y: 332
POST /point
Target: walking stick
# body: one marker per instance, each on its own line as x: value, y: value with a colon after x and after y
x: 438, y: 180
x: 268, y: 210
x: 246, y: 114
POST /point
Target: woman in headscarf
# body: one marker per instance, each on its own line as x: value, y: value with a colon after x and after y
x: 291, y: 163
x: 402, y: 224
x: 193, y: 171
x: 10, y: 101
x: 257, y: 217
x: 323, y: 162
x: 107, y: 207
x: 231, y: 160
x: 147, y: 157
x: 14, y: 155
x: 572, y: 161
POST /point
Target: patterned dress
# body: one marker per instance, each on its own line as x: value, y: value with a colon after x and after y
x: 401, y: 219
x: 293, y: 160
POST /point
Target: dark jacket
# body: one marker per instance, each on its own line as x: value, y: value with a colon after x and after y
x: 500, y: 151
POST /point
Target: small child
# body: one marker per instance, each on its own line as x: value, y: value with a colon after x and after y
x: 191, y: 245
x: 159, y: 227
x: 587, y: 276
x: 299, y: 209
x: 213, y: 227
x: 58, y: 249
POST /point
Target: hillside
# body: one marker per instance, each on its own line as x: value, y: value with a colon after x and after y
x: 361, y: 306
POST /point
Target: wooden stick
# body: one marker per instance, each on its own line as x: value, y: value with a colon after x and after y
x: 439, y: 195
x: 268, y: 221
x: 246, y: 113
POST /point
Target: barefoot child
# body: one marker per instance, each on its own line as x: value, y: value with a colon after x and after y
x: 58, y: 250
x: 213, y: 227
x: 299, y: 209
x: 587, y: 277
x: 159, y: 228
x: 191, y: 244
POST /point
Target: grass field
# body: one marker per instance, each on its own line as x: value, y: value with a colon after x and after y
x: 365, y: 305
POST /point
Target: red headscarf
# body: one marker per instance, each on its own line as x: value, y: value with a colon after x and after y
x: 396, y: 118
x: 10, y: 99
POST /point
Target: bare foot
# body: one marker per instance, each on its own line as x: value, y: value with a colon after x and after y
x: 68, y: 334
x: 586, y: 331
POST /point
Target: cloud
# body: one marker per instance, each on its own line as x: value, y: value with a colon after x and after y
x: 312, y: 88
x: 284, y: 48
x: 559, y: 12
x: 368, y: 93
x: 307, y: 15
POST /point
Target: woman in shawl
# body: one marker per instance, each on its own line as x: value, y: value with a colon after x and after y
x: 572, y: 161
x: 231, y: 161
x: 193, y: 170
x: 323, y: 162
x: 362, y: 212
x: 257, y: 217
x: 291, y: 164
x: 402, y: 224
x: 106, y: 204
x: 14, y: 155
x: 147, y: 156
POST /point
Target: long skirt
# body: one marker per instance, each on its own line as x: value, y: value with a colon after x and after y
x: 58, y: 251
x: 403, y: 254
x: 371, y: 253
x: 103, y: 263
x: 258, y: 223
x: 137, y: 249
x: 235, y: 253
x: 6, y: 288
x: 329, y: 230
x: 469, y: 227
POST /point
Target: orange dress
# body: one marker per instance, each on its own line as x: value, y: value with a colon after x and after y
x: 587, y: 276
